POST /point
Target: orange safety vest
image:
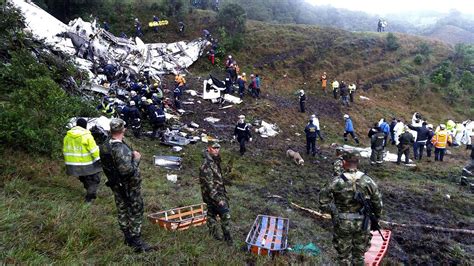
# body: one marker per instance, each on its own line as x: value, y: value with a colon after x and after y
x: 441, y: 138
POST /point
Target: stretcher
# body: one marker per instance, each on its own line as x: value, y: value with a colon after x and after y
x: 378, y: 247
x: 180, y: 218
x: 268, y: 235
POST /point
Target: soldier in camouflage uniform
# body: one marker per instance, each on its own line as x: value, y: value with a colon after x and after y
x: 120, y: 164
x: 350, y: 239
x: 214, y: 193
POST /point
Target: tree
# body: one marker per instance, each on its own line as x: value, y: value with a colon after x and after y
x: 232, y: 17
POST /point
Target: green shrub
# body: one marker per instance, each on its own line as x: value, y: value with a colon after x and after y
x: 418, y: 59
x: 442, y: 76
x: 467, y: 81
x: 232, y: 18
x: 392, y: 42
x: 424, y: 49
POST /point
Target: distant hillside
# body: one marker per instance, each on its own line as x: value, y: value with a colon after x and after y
x: 452, y: 34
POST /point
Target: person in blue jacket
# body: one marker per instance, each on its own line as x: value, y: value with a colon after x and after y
x: 385, y: 128
x: 349, y: 129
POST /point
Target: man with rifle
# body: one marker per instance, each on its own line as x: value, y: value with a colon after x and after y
x: 121, y: 166
x: 355, y: 204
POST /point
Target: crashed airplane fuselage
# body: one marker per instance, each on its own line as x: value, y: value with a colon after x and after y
x: 89, y: 44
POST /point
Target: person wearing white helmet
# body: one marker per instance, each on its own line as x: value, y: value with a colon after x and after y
x: 349, y: 129
x: 315, y: 121
x: 242, y: 133
x: 133, y: 118
x: 302, y: 100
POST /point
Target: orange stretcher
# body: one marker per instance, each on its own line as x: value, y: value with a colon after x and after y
x: 268, y: 236
x: 180, y: 218
x: 378, y: 247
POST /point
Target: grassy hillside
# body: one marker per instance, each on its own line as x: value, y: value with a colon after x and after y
x: 45, y: 221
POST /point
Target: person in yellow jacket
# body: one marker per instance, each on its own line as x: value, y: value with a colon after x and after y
x: 440, y: 140
x: 81, y: 156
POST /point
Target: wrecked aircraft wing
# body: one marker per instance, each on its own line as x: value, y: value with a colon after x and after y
x: 79, y: 36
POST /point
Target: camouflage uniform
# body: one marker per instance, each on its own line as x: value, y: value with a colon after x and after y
x: 350, y: 240
x: 213, y: 191
x: 337, y: 164
x: 123, y: 174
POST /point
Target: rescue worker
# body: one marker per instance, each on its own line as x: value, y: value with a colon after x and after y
x: 351, y: 239
x: 373, y: 130
x: 324, y: 79
x: 422, y: 137
x: 352, y: 90
x: 157, y: 119
x: 377, y: 144
x: 349, y: 129
x: 440, y: 140
x: 405, y: 140
x: 177, y: 97
x: 344, y: 94
x: 156, y: 20
x: 385, y: 128
x: 241, y: 83
x: 310, y: 131
x: 315, y: 120
x: 106, y: 106
x: 134, y: 118
x: 181, y: 27
x: 392, y: 130
x: 121, y: 166
x: 242, y: 133
x: 81, y: 156
x: 229, y: 88
x: 257, y: 83
x: 429, y: 145
x: 302, y: 100
x: 335, y: 88
x: 214, y: 193
x: 138, y: 28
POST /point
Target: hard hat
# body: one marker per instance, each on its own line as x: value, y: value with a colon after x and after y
x: 230, y: 57
x: 251, y: 75
x: 149, y: 101
x: 116, y: 125
x: 133, y: 93
x: 324, y: 73
x: 154, y: 95
x: 132, y: 103
x: 430, y: 126
x: 313, y: 116
x: 243, y: 74
x: 442, y: 126
x: 346, y: 116
x: 156, y: 84
x: 302, y: 91
x: 242, y: 116
x: 143, y: 98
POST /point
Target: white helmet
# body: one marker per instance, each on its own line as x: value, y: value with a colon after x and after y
x: 132, y: 103
x: 133, y: 93
x: 346, y: 116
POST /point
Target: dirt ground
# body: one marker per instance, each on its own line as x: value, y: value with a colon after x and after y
x: 413, y: 196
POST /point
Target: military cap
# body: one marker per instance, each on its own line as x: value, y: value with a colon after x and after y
x: 117, y: 125
x: 215, y: 145
x: 351, y: 156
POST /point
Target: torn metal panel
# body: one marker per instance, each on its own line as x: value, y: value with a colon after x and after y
x: 80, y: 36
x: 174, y: 138
x: 267, y: 130
x: 168, y: 162
x: 102, y: 122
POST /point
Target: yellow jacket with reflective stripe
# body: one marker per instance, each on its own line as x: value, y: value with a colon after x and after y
x: 441, y: 139
x: 81, y: 153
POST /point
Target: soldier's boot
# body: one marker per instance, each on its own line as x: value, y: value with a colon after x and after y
x: 139, y: 245
x: 214, y: 233
x: 127, y: 237
x: 228, y: 238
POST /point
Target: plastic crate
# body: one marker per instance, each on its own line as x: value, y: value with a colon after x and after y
x: 180, y: 218
x: 268, y: 236
x: 378, y: 247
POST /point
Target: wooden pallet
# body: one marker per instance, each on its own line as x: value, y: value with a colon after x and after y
x: 268, y: 236
x: 180, y: 218
x: 378, y: 247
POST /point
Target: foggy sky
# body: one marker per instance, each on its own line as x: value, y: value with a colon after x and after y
x: 398, y: 6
